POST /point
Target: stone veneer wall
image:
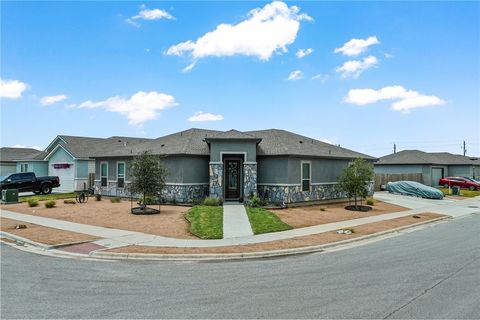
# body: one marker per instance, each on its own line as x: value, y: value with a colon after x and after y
x: 182, y: 193
x: 249, y: 179
x: 216, y: 180
x: 290, y: 194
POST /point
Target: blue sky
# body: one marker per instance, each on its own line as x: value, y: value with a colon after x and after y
x: 364, y: 75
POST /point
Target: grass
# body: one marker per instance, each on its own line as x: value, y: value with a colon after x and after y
x: 463, y: 192
x: 206, y: 222
x: 51, y: 196
x: 263, y: 221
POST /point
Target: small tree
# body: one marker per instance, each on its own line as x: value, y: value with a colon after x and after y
x: 355, y: 179
x: 147, y: 175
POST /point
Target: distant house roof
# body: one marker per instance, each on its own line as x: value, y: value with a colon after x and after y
x: 420, y: 157
x: 11, y: 154
x: 195, y: 141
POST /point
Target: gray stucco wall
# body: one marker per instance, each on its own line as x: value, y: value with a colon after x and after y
x: 272, y: 170
x: 287, y: 170
x: 462, y: 171
x: 181, y: 169
x: 7, y: 168
x: 216, y: 147
x: 399, y: 168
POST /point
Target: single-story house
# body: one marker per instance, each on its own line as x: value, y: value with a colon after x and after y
x: 425, y: 167
x: 278, y: 165
x: 8, y: 156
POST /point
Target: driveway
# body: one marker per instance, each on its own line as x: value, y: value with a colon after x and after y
x: 451, y: 207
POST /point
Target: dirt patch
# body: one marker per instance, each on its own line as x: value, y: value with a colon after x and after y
x: 42, y: 234
x: 307, y: 216
x: 312, y: 240
x: 169, y: 223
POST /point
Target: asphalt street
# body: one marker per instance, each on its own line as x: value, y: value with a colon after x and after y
x: 429, y: 273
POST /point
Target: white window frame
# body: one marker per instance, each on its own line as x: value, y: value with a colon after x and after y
x: 310, y: 174
x: 101, y: 176
x: 124, y: 173
x: 24, y: 165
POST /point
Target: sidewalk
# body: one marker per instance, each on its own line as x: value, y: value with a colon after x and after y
x: 235, y: 221
x: 114, y: 238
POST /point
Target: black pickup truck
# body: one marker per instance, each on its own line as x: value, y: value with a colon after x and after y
x: 27, y: 181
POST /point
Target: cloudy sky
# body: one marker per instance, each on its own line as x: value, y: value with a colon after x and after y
x: 364, y: 75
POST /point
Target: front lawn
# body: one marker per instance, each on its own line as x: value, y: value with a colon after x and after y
x: 206, y: 222
x: 263, y: 221
x: 463, y: 192
x: 51, y: 196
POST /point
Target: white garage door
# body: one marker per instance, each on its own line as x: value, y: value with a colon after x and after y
x: 66, y: 174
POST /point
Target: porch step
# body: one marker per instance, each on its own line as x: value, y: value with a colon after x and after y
x: 235, y: 221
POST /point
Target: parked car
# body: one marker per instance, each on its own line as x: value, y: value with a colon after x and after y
x: 27, y: 181
x: 415, y: 189
x: 461, y: 182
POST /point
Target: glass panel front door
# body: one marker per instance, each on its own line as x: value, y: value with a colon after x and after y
x: 232, y: 179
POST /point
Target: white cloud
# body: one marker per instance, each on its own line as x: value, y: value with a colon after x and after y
x: 140, y: 107
x: 12, y: 89
x: 388, y: 55
x: 266, y: 31
x: 353, y: 68
x: 48, y: 100
x: 321, y: 77
x: 295, y: 75
x: 405, y: 100
x: 148, y: 14
x: 303, y: 53
x: 24, y: 146
x: 326, y: 141
x: 205, y: 116
x: 356, y: 46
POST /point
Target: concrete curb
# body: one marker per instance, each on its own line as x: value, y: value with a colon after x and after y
x: 249, y: 255
x: 22, y: 240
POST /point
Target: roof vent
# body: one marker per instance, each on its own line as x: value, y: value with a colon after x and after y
x: 162, y: 145
x: 300, y: 141
x: 119, y: 140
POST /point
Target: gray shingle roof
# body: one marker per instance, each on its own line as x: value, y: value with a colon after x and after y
x: 195, y: 142
x: 232, y: 134
x: 281, y: 142
x: 10, y: 154
x: 420, y: 157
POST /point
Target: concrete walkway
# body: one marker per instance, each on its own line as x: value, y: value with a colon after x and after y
x: 235, y: 221
x: 114, y: 238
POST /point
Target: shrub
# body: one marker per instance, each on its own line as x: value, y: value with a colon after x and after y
x: 115, y: 200
x: 50, y: 204
x: 254, y: 201
x: 323, y: 208
x: 197, y: 201
x: 32, y: 203
x: 174, y: 200
x: 69, y: 201
x: 370, y: 202
x: 149, y: 200
x: 98, y: 197
x: 211, y: 201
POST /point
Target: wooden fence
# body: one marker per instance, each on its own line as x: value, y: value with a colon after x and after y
x: 384, y: 178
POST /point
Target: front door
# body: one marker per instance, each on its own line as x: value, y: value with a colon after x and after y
x: 232, y: 178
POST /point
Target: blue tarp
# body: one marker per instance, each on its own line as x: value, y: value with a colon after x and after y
x: 412, y: 188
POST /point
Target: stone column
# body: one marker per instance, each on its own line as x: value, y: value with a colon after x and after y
x: 216, y: 179
x: 249, y: 179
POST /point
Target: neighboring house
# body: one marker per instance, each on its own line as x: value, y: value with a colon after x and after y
x: 275, y: 164
x: 8, y: 156
x: 73, y: 159
x: 423, y: 167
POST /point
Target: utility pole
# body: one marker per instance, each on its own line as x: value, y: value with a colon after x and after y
x: 464, y: 148
x: 394, y: 148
